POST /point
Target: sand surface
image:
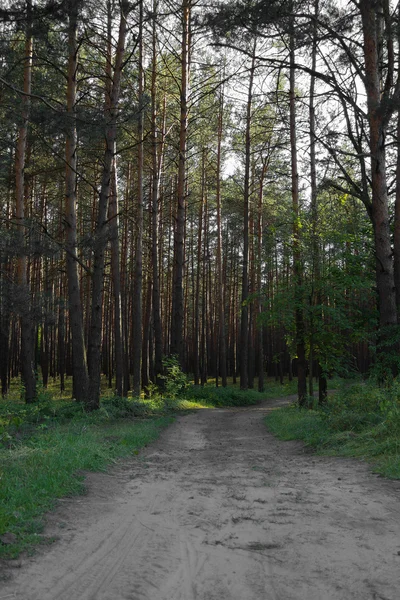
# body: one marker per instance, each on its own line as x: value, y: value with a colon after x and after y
x: 218, y: 509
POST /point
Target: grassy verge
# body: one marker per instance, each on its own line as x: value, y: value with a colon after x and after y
x: 359, y: 421
x: 45, y: 466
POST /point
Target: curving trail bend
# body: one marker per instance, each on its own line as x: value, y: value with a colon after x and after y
x: 218, y: 509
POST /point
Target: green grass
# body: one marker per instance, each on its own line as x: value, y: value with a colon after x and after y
x: 46, y: 466
x: 210, y: 396
x: 361, y: 421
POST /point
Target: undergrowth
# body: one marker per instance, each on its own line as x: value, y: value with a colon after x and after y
x: 233, y: 396
x: 357, y: 421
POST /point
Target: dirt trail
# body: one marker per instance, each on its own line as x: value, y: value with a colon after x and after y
x: 218, y: 509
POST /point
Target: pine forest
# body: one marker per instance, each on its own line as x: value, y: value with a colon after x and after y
x: 208, y: 188
x: 199, y: 299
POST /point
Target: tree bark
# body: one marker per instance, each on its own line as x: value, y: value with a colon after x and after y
x: 316, y: 295
x: 102, y: 231
x: 260, y: 348
x: 220, y: 277
x: 297, y: 261
x: 200, y: 260
x: 79, y: 364
x: 396, y: 233
x: 377, y: 98
x: 244, y: 322
x: 138, y: 278
x: 179, y: 258
x: 157, y: 158
x: 27, y: 355
x: 113, y: 215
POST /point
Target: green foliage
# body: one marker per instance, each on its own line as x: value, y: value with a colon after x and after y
x: 175, y: 380
x: 360, y: 420
x: 336, y: 296
x: 387, y: 357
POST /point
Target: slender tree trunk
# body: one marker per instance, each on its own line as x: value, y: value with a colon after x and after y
x: 125, y: 285
x: 113, y: 215
x: 146, y: 334
x: 5, y: 299
x: 316, y: 298
x: 396, y: 234
x: 204, y: 294
x: 79, y: 364
x: 244, y: 323
x: 378, y: 115
x: 61, y: 337
x: 198, y: 279
x: 24, y: 295
x: 252, y: 283
x: 260, y: 348
x: 297, y: 261
x: 157, y: 156
x: 179, y: 258
x: 102, y: 231
x: 220, y: 276
x: 168, y: 283
x: 138, y: 280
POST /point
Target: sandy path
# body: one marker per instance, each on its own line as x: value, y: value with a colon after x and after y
x: 218, y: 509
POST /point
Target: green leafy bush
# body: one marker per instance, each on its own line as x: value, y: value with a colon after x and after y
x: 175, y: 380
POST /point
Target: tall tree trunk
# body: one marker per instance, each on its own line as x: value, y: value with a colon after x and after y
x: 157, y: 157
x: 24, y: 295
x: 61, y: 337
x: 102, y: 231
x: 220, y: 277
x: 204, y: 292
x: 113, y: 215
x: 316, y: 298
x: 179, y: 258
x: 138, y: 279
x: 378, y: 115
x: 125, y: 285
x: 5, y: 299
x: 252, y: 283
x: 200, y: 260
x: 396, y: 233
x: 297, y: 261
x: 244, y: 323
x: 260, y: 348
x: 79, y: 364
x: 146, y: 357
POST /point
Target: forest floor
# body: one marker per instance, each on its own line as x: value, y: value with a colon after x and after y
x: 219, y: 509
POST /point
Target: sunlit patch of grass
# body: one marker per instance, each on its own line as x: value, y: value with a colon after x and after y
x: 233, y: 396
x: 360, y: 421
